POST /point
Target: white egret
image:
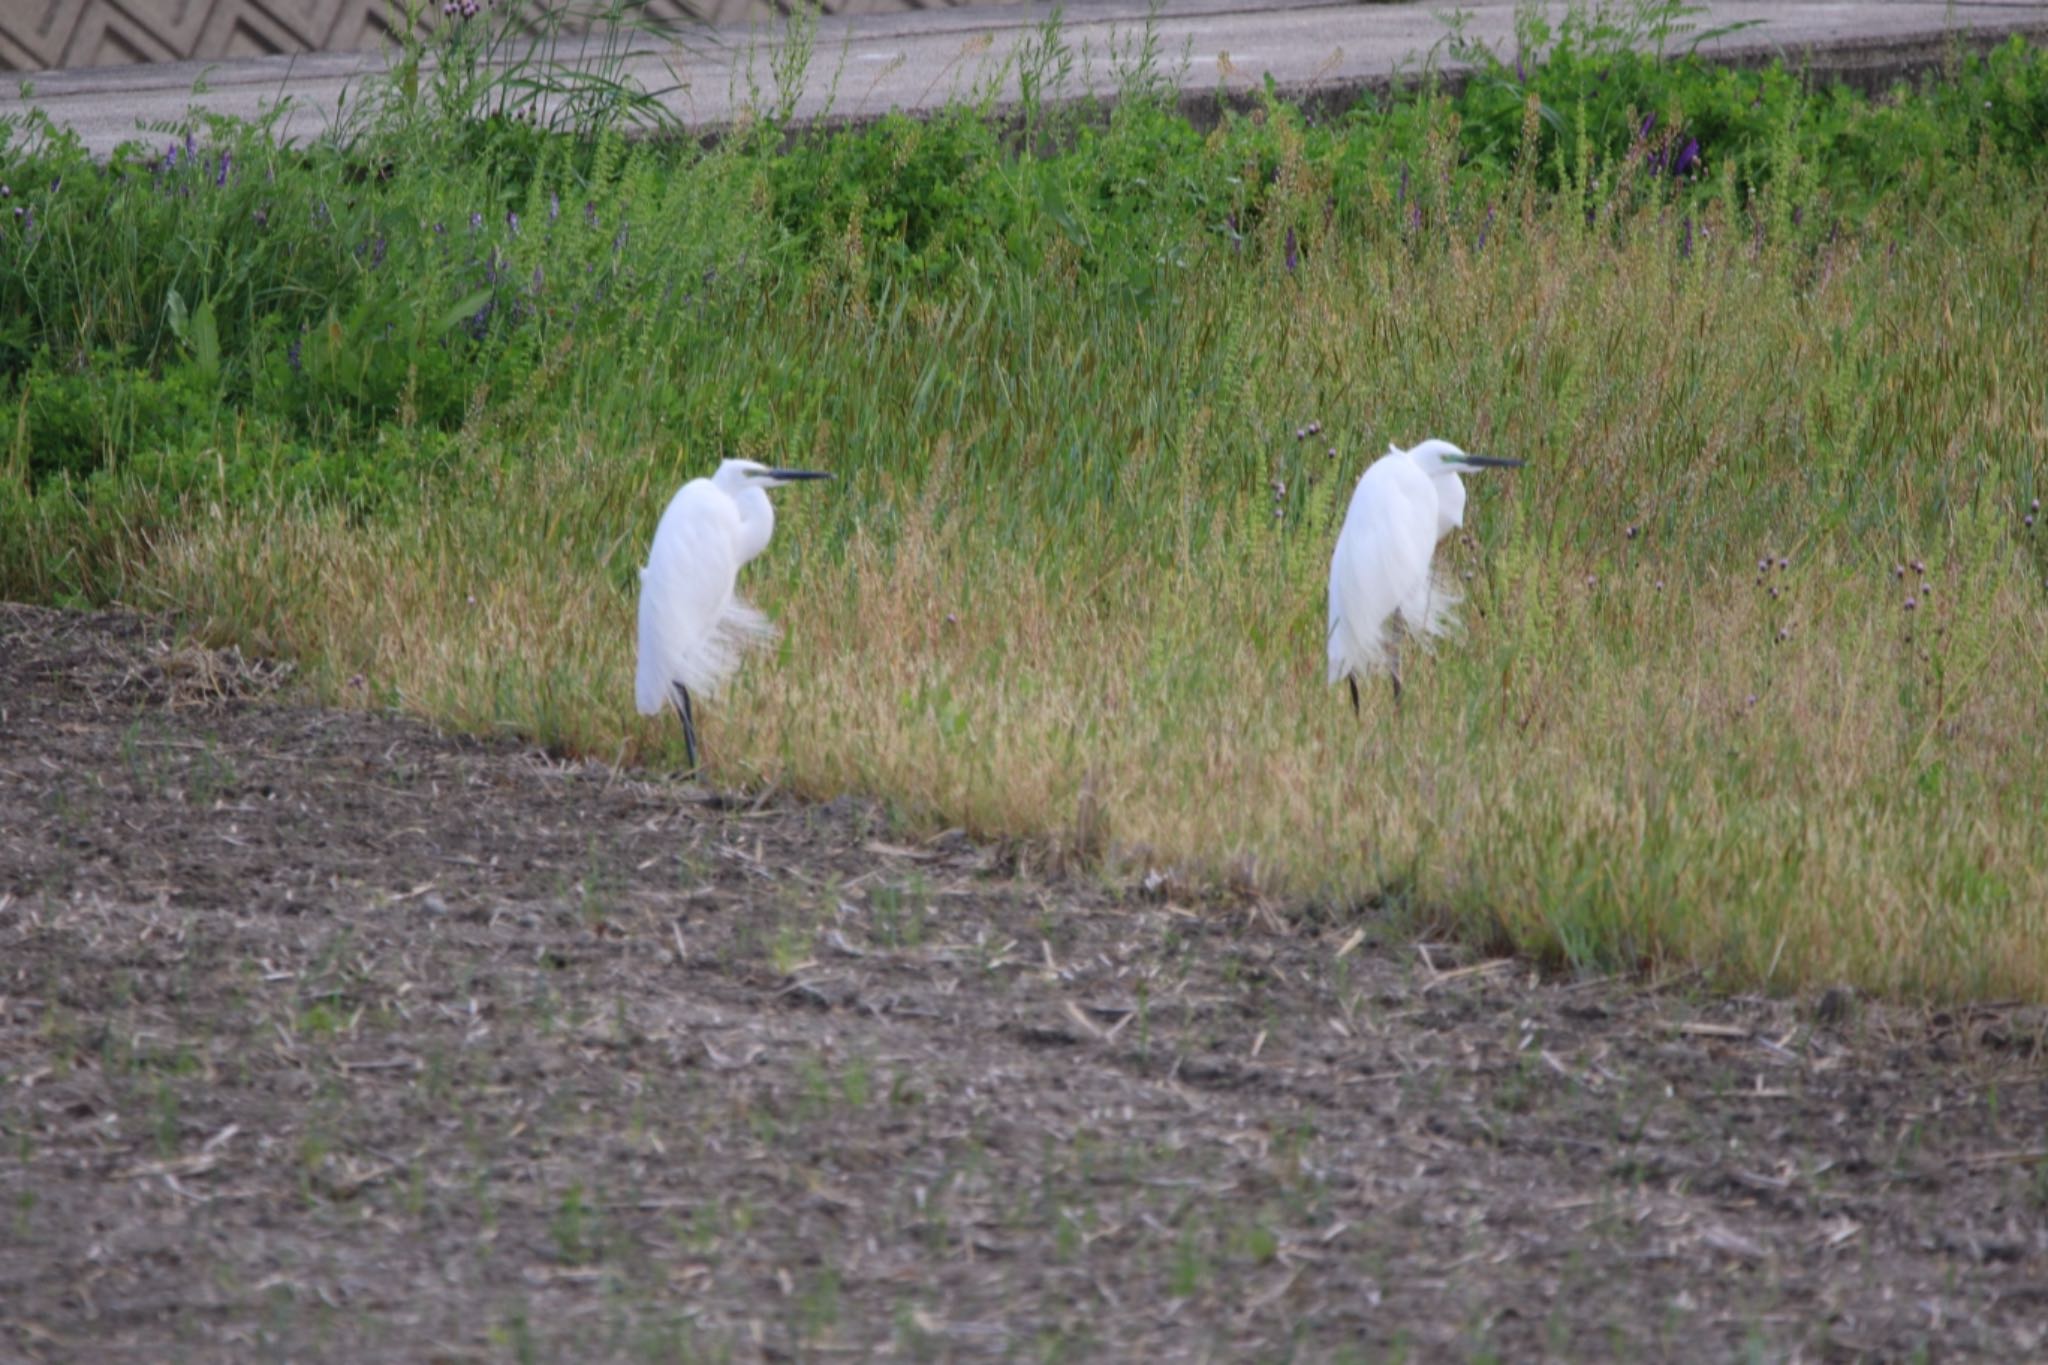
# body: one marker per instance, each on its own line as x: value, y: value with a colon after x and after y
x: 693, y: 626
x: 1381, y: 580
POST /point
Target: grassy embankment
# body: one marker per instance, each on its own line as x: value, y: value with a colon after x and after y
x: 404, y: 406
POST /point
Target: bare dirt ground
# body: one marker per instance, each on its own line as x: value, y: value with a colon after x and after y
x: 327, y: 1037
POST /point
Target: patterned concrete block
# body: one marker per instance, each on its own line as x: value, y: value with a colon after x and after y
x: 64, y: 35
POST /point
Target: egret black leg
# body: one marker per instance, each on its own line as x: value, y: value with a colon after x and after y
x: 689, y: 726
x: 1354, y: 694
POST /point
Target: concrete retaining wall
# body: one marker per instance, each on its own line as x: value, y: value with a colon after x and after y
x: 68, y: 35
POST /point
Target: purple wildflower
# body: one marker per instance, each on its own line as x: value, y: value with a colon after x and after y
x: 1486, y: 227
x: 6, y: 191
x: 512, y: 221
x: 1293, y: 255
x: 1649, y: 123
x: 554, y: 206
x: 292, y: 354
x: 221, y: 177
x: 476, y: 222
x: 619, y: 240
x: 1687, y: 158
x: 538, y: 280
x: 377, y: 253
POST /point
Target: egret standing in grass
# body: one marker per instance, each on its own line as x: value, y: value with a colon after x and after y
x: 1382, y: 584
x: 693, y: 626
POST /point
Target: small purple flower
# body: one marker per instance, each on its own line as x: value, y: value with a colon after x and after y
x: 6, y: 191
x: 619, y: 239
x: 554, y: 206
x: 538, y: 280
x: 1649, y: 123
x: 377, y: 253
x: 221, y: 177
x: 1415, y: 217
x: 1687, y: 158
x: 1293, y: 255
x: 1520, y: 76
x: 1486, y: 227
x: 440, y: 229
x: 291, y: 355
x: 56, y: 183
x: 589, y: 214
x: 171, y: 157
x: 262, y: 216
x: 512, y: 221
x: 476, y: 222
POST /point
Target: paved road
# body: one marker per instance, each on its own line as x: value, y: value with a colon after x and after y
x: 864, y: 67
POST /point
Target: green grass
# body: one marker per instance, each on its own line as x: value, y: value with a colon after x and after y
x: 405, y: 406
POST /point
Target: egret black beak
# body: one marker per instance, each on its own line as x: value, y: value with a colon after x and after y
x: 794, y: 475
x: 1490, y: 462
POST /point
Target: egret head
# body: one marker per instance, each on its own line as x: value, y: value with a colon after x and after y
x: 1441, y: 457
x: 735, y: 476
x: 1443, y: 462
x: 747, y: 483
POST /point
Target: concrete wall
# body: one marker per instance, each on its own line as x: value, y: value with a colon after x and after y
x: 46, y: 35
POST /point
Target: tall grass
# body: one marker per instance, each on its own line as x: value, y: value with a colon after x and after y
x: 1069, y: 584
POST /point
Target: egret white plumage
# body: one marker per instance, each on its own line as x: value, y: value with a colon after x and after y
x: 693, y: 626
x: 1382, y: 580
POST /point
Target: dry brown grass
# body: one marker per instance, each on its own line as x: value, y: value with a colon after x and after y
x: 1636, y: 755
